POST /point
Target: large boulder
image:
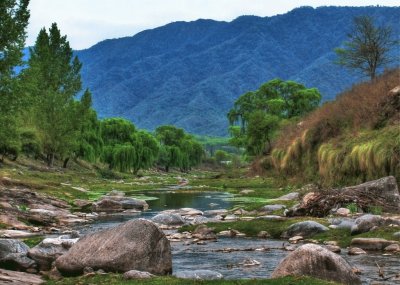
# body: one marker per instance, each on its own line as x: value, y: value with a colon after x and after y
x: 304, y: 229
x: 8, y: 246
x: 134, y: 245
x: 169, y: 219
x: 47, y: 251
x: 316, y: 261
x: 365, y: 223
x: 372, y: 243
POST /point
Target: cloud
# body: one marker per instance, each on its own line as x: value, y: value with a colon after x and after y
x: 87, y: 22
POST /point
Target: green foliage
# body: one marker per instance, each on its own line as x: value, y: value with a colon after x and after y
x: 367, y: 48
x: 30, y: 142
x: 178, y: 149
x: 14, y: 16
x: 256, y: 115
x: 221, y: 155
x: 352, y: 207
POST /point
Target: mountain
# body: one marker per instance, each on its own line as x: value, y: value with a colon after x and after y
x: 190, y: 73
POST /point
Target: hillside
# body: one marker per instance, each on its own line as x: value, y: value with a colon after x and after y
x: 189, y: 73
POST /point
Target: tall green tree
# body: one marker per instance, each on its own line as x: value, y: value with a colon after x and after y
x: 367, y: 48
x: 255, y: 116
x: 14, y: 17
x: 55, y: 76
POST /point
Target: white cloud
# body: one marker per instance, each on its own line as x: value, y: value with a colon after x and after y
x: 87, y: 22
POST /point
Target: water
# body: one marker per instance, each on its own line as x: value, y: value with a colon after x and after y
x: 209, y: 256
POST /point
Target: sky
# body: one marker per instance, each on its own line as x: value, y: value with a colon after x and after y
x: 86, y: 22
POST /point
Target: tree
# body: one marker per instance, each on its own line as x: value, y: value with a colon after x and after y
x: 55, y: 74
x: 14, y: 17
x: 255, y: 116
x: 367, y: 48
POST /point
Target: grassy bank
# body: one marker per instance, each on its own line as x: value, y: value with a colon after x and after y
x: 116, y: 279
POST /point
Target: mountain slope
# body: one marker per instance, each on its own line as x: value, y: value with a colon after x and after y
x: 190, y: 73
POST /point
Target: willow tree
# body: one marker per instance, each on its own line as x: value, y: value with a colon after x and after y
x: 14, y: 17
x: 55, y: 76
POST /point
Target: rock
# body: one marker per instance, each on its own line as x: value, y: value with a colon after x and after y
x: 17, y: 262
x: 169, y: 219
x: 342, y: 223
x: 16, y: 234
x: 396, y: 235
x: 216, y: 212
x: 202, y: 232
x: 46, y: 252
x: 83, y: 204
x: 135, y: 274
x: 13, y: 222
x: 135, y: 245
x: 296, y: 239
x: 240, y: 212
x: 199, y: 275
x: 356, y: 251
x: 119, y: 204
x: 272, y: 208
x: 372, y: 243
x: 316, y: 261
x: 304, y: 229
x: 365, y: 223
x: 263, y: 234
x: 230, y: 218
x: 19, y: 278
x: 289, y: 197
x: 248, y: 262
x: 333, y: 248
x: 231, y: 233
x: 385, y: 189
x: 392, y: 248
x: 200, y: 220
x: 272, y: 218
x: 8, y: 246
x: 343, y: 212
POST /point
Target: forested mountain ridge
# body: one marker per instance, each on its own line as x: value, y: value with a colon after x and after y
x: 189, y: 73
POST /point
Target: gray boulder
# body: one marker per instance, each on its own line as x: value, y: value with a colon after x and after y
x: 17, y: 262
x: 8, y: 246
x: 342, y: 223
x: 199, y: 275
x: 304, y: 229
x: 272, y: 208
x: 169, y: 219
x: 316, y: 261
x: 289, y: 197
x: 46, y: 252
x: 119, y: 204
x: 134, y: 245
x: 365, y: 223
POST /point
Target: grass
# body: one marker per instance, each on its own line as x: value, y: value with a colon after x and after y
x: 33, y: 241
x: 116, y: 279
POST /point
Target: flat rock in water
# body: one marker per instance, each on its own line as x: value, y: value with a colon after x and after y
x: 372, y: 243
x: 135, y: 245
x: 316, y: 261
x: 304, y: 229
x: 19, y: 278
x: 169, y: 219
x: 199, y: 275
x: 356, y: 251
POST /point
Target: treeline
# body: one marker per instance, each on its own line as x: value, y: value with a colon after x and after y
x: 41, y: 115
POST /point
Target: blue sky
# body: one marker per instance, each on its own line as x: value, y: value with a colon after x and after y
x: 87, y: 22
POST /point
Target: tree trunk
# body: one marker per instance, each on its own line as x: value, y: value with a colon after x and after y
x: 167, y: 168
x: 50, y: 160
x: 65, y: 162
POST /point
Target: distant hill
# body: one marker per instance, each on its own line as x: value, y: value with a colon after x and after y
x: 189, y: 73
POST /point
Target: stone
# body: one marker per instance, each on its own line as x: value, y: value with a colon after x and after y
x: 19, y: 278
x: 83, y: 204
x: 135, y: 274
x: 392, y: 248
x: 47, y: 251
x: 333, y: 248
x: 304, y: 229
x: 17, y: 262
x: 289, y: 197
x: 372, y: 243
x: 202, y: 232
x: 296, y: 239
x: 169, y: 219
x: 318, y: 262
x: 396, y: 235
x: 8, y: 246
x: 216, y: 212
x: 200, y: 220
x: 263, y: 234
x: 119, y: 204
x: 356, y: 251
x: 199, y: 275
x: 134, y: 245
x: 366, y: 222
x: 342, y: 223
x: 343, y: 212
x: 16, y: 234
x: 13, y: 222
x: 272, y: 218
x: 272, y: 208
x: 230, y: 218
x: 246, y: 191
x: 248, y: 262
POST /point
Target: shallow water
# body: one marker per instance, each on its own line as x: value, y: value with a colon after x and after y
x: 193, y: 257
